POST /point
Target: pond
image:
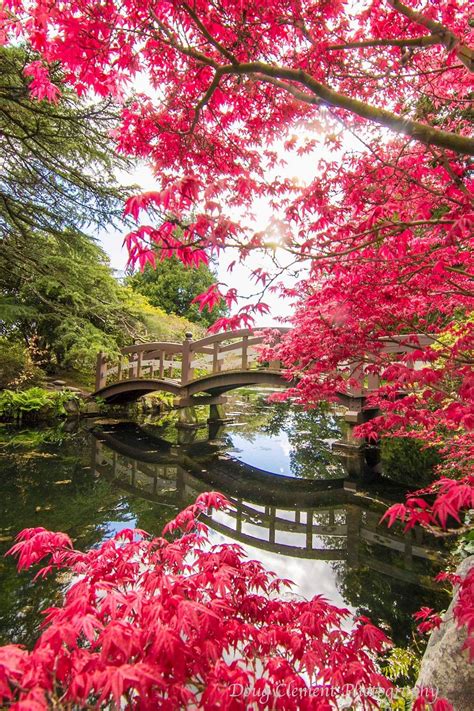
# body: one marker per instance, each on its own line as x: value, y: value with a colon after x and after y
x: 293, y: 506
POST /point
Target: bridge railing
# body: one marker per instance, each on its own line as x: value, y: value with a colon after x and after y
x: 398, y: 345
x: 147, y: 360
x: 235, y: 350
x: 183, y: 362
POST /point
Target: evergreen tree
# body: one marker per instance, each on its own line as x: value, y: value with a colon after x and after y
x: 58, y: 187
x: 172, y: 287
x: 58, y: 296
x: 58, y: 169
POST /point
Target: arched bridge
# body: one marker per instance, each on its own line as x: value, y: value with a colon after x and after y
x: 209, y: 366
x: 212, y: 366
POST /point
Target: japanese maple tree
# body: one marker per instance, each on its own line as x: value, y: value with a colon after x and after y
x: 228, y: 79
x: 150, y: 623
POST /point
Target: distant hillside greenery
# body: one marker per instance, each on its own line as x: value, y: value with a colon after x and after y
x: 59, y: 300
x: 172, y: 287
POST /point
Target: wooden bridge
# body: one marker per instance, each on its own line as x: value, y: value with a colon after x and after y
x: 214, y: 365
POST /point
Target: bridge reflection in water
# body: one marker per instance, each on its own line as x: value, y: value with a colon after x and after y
x: 323, y: 520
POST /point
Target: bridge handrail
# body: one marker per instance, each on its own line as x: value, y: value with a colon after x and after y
x: 171, y: 346
x: 141, y: 355
x: 145, y: 356
x: 240, y: 333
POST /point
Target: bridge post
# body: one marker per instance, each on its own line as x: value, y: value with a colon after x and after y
x: 100, y: 373
x: 245, y: 358
x: 217, y: 413
x: 186, y: 370
x: 360, y: 459
x: 353, y: 525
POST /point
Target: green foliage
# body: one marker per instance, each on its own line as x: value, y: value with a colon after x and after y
x: 401, y: 699
x: 402, y: 665
x: 33, y: 403
x: 77, y: 307
x: 58, y: 295
x: 158, y: 325
x: 13, y: 439
x: 47, y: 481
x: 57, y: 163
x: 408, y: 461
x: 172, y: 287
x: 465, y: 546
x: 156, y: 401
x: 16, y: 366
x: 390, y: 602
x: 57, y: 292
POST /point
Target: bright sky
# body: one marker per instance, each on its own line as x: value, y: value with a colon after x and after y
x: 112, y: 241
x: 298, y: 168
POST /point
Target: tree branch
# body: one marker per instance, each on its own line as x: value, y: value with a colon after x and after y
x: 425, y: 41
x: 423, y: 133
x: 205, y: 32
x: 299, y: 95
x: 447, y: 38
x: 205, y: 99
x: 419, y: 131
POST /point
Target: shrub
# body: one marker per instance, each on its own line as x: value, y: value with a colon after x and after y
x: 408, y: 461
x: 34, y: 403
x: 16, y: 366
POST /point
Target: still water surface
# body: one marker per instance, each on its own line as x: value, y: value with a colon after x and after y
x: 292, y: 509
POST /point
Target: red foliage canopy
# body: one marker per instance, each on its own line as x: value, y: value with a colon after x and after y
x: 151, y: 624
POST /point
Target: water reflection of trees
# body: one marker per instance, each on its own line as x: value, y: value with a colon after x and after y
x: 310, y: 434
x: 41, y: 487
x: 387, y: 601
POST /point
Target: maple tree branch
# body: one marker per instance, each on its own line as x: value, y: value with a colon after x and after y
x: 419, y: 131
x: 205, y: 32
x: 172, y: 41
x: 204, y: 100
x: 400, y: 170
x: 459, y: 289
x: 427, y: 135
x: 457, y: 179
x: 424, y: 41
x: 300, y: 95
x: 447, y: 38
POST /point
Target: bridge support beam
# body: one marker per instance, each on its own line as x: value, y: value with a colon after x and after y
x: 187, y: 425
x: 187, y: 418
x: 188, y: 421
x: 353, y: 522
x: 360, y: 458
x: 217, y: 414
x: 217, y: 420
